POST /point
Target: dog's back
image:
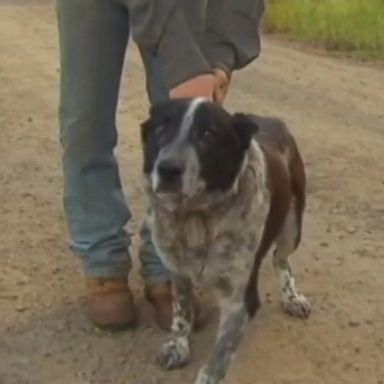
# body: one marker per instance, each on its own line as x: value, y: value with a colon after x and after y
x: 273, y: 133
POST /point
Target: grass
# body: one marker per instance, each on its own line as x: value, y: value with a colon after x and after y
x: 353, y: 26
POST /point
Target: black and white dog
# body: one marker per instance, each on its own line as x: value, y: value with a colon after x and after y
x: 223, y: 190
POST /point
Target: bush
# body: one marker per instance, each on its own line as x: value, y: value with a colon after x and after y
x: 356, y: 26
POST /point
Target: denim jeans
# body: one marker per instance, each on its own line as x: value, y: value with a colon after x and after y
x: 93, y: 39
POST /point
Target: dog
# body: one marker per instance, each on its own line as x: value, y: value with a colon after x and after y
x: 223, y: 189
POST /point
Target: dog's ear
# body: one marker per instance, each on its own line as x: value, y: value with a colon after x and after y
x: 244, y: 129
x: 157, y: 116
x: 145, y: 128
x: 148, y: 124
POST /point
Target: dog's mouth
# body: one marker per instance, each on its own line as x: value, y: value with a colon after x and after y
x: 196, y: 203
x: 177, y: 193
x: 168, y: 190
x: 171, y: 201
x: 169, y: 196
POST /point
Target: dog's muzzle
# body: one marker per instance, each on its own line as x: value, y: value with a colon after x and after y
x: 169, y: 176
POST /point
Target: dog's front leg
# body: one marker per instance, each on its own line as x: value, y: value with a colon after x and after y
x: 233, y: 321
x: 175, y: 352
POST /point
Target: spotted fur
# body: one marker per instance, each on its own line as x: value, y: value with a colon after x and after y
x: 223, y: 190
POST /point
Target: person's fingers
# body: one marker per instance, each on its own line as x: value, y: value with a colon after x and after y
x: 222, y: 82
x: 199, y: 86
x: 219, y: 95
x: 220, y: 92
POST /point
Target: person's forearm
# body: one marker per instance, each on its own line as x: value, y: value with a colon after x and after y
x: 232, y: 37
x: 159, y: 27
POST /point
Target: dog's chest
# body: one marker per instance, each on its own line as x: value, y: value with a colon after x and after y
x: 221, y: 240
x: 204, y: 247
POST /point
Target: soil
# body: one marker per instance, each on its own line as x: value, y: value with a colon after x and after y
x: 334, y: 107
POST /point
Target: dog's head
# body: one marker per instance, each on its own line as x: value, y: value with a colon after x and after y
x: 193, y: 147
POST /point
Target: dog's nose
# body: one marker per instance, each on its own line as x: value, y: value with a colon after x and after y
x: 170, y: 170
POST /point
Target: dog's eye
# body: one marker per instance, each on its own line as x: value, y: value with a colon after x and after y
x: 209, y: 136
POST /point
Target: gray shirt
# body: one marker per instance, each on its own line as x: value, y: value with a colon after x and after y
x: 191, y: 37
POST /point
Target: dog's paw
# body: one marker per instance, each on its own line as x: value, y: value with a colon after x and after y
x: 174, y: 354
x: 297, y: 305
x: 203, y: 377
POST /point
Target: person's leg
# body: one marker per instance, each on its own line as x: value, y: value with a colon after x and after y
x: 156, y: 89
x: 152, y: 269
x: 156, y: 277
x: 93, y: 38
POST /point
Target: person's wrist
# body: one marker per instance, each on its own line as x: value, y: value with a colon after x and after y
x: 221, y: 55
x: 198, y: 86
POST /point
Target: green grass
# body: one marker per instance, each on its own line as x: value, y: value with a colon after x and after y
x: 353, y: 26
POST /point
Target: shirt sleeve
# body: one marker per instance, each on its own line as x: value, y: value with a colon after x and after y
x: 232, y: 36
x: 159, y: 26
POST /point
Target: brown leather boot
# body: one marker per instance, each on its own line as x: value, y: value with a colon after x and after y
x: 109, y: 303
x: 160, y: 296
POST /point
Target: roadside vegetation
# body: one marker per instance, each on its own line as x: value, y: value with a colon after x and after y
x: 352, y: 26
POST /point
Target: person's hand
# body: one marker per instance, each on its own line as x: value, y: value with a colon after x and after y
x: 198, y: 86
x: 222, y: 81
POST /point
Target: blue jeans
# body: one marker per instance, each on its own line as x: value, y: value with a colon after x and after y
x: 93, y: 39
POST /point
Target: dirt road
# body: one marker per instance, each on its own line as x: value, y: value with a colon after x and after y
x: 336, y: 110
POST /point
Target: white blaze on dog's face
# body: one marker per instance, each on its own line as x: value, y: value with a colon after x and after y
x: 192, y: 147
